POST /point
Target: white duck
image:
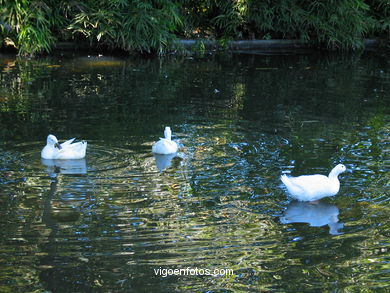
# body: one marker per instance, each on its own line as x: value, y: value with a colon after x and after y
x: 314, y: 187
x: 65, y: 151
x: 165, y: 146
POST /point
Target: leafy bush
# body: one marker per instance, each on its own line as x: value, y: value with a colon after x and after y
x: 140, y: 25
x: 380, y: 11
x: 333, y: 23
x: 33, y: 26
x: 28, y: 25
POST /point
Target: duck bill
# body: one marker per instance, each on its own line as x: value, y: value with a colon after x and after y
x: 57, y: 145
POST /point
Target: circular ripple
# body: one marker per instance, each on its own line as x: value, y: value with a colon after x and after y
x: 103, y: 159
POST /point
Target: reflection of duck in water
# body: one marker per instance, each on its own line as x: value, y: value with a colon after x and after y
x: 316, y: 215
x: 65, y: 167
x: 163, y: 161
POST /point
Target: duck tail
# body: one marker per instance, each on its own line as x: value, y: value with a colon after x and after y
x: 285, y: 179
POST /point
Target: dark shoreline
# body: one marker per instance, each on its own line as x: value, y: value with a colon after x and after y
x: 194, y: 44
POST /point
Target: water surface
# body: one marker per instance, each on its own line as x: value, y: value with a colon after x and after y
x: 106, y: 223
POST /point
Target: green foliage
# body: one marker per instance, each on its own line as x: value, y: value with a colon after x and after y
x: 28, y: 24
x: 199, y: 48
x: 380, y: 11
x: 126, y: 24
x: 336, y: 23
x: 341, y: 24
x: 33, y: 26
x: 129, y: 25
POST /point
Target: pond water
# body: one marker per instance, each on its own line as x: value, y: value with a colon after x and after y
x: 123, y: 220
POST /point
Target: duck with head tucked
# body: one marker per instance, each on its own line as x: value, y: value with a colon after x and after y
x: 64, y: 151
x: 165, y: 146
x: 314, y: 187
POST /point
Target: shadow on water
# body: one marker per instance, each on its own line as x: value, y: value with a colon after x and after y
x: 108, y: 223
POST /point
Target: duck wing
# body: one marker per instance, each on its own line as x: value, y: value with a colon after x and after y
x: 78, y: 146
x: 68, y: 142
x: 73, y: 151
x: 311, y: 184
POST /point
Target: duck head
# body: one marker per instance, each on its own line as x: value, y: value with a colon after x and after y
x: 53, y: 141
x: 340, y: 168
x: 167, y: 133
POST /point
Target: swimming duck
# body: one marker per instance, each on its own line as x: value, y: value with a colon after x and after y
x: 314, y: 187
x: 64, y: 151
x: 165, y: 146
